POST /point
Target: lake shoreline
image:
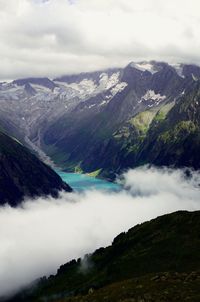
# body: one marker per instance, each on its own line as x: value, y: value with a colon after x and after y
x: 82, y: 182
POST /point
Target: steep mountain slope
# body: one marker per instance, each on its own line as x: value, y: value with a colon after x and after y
x: 106, y: 120
x: 167, y: 135
x: 29, y: 106
x: 109, y: 135
x: 168, y: 243
x: 174, y: 139
x: 23, y: 174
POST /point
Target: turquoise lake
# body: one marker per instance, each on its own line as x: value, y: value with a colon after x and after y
x: 82, y: 182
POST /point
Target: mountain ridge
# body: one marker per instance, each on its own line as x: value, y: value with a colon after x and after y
x: 144, y: 93
x: 168, y: 243
x: 100, y: 120
x: 23, y: 175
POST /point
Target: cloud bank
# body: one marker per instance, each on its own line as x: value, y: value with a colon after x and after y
x: 54, y: 37
x: 45, y: 233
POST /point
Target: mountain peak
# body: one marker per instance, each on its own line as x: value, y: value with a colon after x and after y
x: 46, y: 82
x: 149, y: 66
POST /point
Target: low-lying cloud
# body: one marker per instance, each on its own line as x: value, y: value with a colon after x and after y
x: 42, y: 234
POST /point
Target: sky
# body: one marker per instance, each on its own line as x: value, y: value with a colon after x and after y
x: 44, y: 233
x: 56, y: 37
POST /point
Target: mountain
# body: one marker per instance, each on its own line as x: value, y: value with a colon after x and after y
x: 174, y: 138
x: 111, y: 133
x: 44, y: 82
x: 29, y: 106
x: 158, y: 260
x: 108, y: 120
x: 22, y: 174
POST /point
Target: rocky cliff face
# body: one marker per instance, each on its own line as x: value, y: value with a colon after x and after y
x: 22, y: 174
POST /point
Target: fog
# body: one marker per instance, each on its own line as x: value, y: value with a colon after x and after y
x: 39, y: 236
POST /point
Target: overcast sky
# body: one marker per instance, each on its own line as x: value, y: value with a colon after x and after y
x: 53, y: 37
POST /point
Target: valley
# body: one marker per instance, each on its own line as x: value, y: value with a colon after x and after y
x: 29, y: 106
x: 107, y: 121
x: 80, y: 133
x: 99, y: 151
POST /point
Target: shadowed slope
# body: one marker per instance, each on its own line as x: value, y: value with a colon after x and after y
x: 23, y: 174
x: 168, y: 243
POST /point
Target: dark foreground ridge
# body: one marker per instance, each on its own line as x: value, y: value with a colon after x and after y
x: 23, y: 174
x: 158, y: 260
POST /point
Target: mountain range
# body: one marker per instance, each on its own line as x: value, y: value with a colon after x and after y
x: 108, y: 121
x: 103, y: 123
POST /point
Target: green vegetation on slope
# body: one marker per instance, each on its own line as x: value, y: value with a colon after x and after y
x: 178, y: 133
x: 143, y: 120
x: 167, y: 134
x: 162, y: 113
x: 175, y: 141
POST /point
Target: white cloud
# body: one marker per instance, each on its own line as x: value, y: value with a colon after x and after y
x: 60, y: 36
x: 45, y: 233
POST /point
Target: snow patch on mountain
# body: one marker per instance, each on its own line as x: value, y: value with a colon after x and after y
x: 145, y: 66
x: 113, y: 80
x: 88, y: 87
x: 118, y: 88
x: 72, y: 90
x: 30, y: 103
x: 82, y: 89
x: 114, y: 90
x: 152, y: 97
